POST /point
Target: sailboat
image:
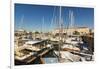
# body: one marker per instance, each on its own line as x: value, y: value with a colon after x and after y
x: 71, y: 42
x: 64, y: 51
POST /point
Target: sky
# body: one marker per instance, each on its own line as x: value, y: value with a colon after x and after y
x: 45, y: 18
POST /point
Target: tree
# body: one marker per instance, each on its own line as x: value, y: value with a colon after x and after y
x: 76, y: 33
x: 57, y: 34
x: 30, y: 33
x: 36, y: 32
x: 16, y: 34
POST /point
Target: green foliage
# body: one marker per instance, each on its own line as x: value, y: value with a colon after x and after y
x: 76, y: 33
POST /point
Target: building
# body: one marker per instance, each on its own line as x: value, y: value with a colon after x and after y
x: 20, y: 31
x: 79, y: 30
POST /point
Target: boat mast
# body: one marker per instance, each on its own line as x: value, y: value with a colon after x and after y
x: 59, y: 33
x: 71, y: 22
x: 42, y: 28
x: 21, y: 21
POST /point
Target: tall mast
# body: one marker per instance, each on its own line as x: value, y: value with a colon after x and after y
x: 59, y: 32
x: 42, y: 27
x: 60, y: 24
x: 21, y: 22
x: 71, y: 21
x: 52, y: 20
